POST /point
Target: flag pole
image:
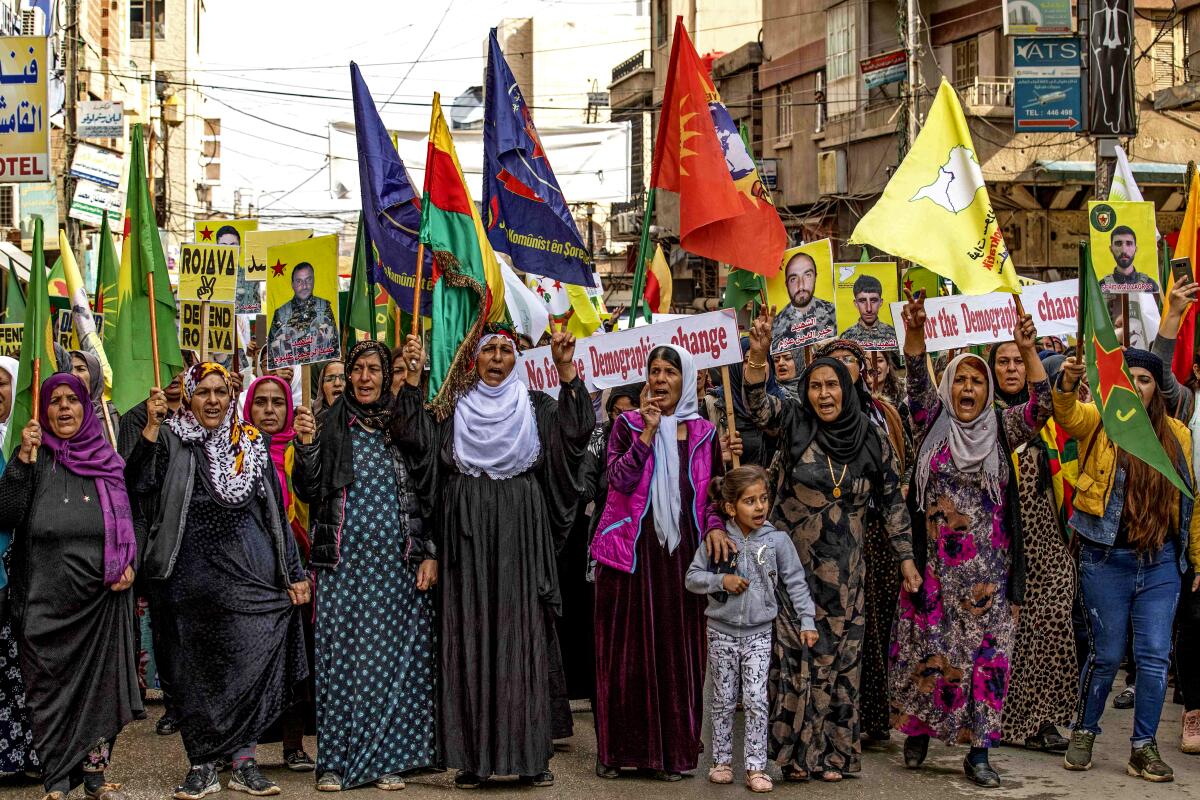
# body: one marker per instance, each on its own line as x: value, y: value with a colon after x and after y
x: 639, y: 272
x: 730, y: 421
x: 416, y: 312
x: 1083, y: 264
x: 36, y: 386
x: 153, y: 329
x: 204, y: 330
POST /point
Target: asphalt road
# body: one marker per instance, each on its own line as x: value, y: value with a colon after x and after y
x: 149, y: 765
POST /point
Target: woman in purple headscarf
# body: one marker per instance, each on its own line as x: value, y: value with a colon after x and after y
x: 73, y: 561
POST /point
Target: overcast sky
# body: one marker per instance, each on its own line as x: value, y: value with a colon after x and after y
x: 304, y: 47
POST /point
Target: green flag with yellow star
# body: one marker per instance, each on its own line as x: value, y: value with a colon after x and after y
x: 1121, y: 410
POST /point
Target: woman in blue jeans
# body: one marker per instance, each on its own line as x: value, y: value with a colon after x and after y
x: 1137, y: 534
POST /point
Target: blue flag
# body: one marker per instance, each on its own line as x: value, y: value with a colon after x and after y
x: 524, y: 210
x: 391, y: 206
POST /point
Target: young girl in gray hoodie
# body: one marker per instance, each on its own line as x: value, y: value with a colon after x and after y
x: 742, y: 606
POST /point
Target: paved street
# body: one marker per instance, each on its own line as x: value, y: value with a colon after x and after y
x: 149, y: 765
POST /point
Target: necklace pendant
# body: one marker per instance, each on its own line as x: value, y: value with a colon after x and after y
x: 837, y: 491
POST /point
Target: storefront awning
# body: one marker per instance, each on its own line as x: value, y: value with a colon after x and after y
x: 1146, y: 173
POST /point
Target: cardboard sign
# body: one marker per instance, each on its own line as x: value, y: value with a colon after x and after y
x: 618, y: 359
x: 10, y: 340
x: 963, y: 320
x: 805, y: 312
x: 220, y: 326
x: 302, y: 302
x: 863, y: 297
x: 233, y: 232
x: 207, y: 272
x: 64, y: 327
x: 1124, y: 239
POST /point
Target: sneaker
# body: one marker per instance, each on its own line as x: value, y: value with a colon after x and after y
x: 329, y: 782
x: 201, y: 780
x: 389, y: 783
x: 1190, y: 743
x: 166, y: 726
x: 1146, y: 763
x: 248, y: 779
x: 298, y: 761
x: 1079, y: 751
x: 1124, y: 700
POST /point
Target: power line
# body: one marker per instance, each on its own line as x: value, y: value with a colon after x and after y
x: 421, y: 54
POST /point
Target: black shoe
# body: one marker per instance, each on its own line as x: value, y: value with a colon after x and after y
x: 667, y: 776
x: 1048, y: 740
x: 166, y: 726
x: 201, y: 780
x: 248, y: 779
x: 467, y: 780
x: 298, y: 761
x: 1125, y: 699
x: 541, y: 779
x: 981, y: 774
x: 605, y: 771
x: 915, y: 750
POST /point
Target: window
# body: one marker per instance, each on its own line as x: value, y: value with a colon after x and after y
x: 139, y: 15
x: 841, y: 41
x: 966, y: 62
x: 819, y: 102
x: 8, y: 217
x: 662, y: 22
x: 783, y: 110
x: 1167, y: 52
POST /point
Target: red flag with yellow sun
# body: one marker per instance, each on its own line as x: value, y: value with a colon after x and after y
x: 1122, y: 413
x: 725, y: 211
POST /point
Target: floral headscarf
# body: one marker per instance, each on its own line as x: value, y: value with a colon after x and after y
x: 235, y: 451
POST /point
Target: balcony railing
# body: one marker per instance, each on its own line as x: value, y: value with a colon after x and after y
x: 989, y: 91
x: 631, y: 65
x: 636, y: 204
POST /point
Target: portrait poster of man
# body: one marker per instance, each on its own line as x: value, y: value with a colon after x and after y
x: 1110, y: 68
x: 233, y: 231
x: 863, y: 298
x: 302, y: 302
x: 809, y: 316
x: 1124, y: 246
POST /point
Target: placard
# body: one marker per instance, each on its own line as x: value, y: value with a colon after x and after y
x: 1124, y: 245
x: 962, y: 320
x: 10, y: 339
x: 302, y: 302
x: 24, y: 110
x: 100, y: 119
x: 809, y: 316
x: 233, y: 232
x: 220, y: 326
x: 258, y: 242
x: 617, y: 359
x: 208, y: 272
x: 863, y: 296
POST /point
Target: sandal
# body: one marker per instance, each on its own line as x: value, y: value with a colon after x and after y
x: 759, y: 781
x: 721, y: 773
x: 795, y: 774
x: 389, y: 783
x: 329, y: 782
x: 831, y: 776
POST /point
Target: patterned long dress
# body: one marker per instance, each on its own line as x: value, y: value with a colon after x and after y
x: 374, y: 635
x: 952, y: 642
x: 814, y: 692
x: 1045, y: 671
x: 16, y: 731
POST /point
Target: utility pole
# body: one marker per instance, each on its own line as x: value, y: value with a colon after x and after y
x: 909, y: 22
x: 149, y: 11
x: 70, y: 132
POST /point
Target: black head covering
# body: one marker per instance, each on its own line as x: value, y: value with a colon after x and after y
x: 847, y: 439
x: 1002, y: 397
x: 379, y: 413
x: 632, y: 391
x: 860, y: 386
x: 337, y: 456
x: 1135, y: 357
x: 1053, y: 365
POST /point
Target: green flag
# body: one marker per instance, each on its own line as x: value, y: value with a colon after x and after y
x: 1121, y: 409
x: 360, y: 311
x: 106, y: 281
x: 142, y: 261
x: 744, y: 287
x: 37, y: 343
x: 14, y: 310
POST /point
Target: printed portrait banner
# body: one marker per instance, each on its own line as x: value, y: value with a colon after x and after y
x: 207, y: 272
x: 10, y: 339
x: 24, y: 109
x: 302, y: 302
x: 962, y: 320
x: 803, y: 293
x: 863, y: 298
x: 1124, y: 239
x: 618, y: 359
x: 257, y: 244
x: 233, y: 232
x: 220, y: 326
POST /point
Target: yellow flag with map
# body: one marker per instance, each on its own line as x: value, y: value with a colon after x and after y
x: 935, y: 210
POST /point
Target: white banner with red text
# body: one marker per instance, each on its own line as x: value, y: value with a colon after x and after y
x: 962, y: 320
x: 619, y: 358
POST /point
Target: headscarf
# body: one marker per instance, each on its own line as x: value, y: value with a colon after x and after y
x: 865, y: 400
x: 62, y: 359
x: 791, y: 388
x: 1053, y: 364
x: 95, y: 385
x: 844, y: 439
x: 376, y: 414
x: 235, y: 453
x: 88, y: 454
x: 279, y: 441
x: 665, y: 499
x: 1006, y: 399
x: 973, y: 445
x: 319, y: 406
x: 495, y: 431
x: 9, y: 365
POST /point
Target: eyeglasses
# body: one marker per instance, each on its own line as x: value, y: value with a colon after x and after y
x: 334, y: 379
x: 849, y: 359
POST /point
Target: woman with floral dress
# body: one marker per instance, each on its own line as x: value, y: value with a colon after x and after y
x: 952, y: 643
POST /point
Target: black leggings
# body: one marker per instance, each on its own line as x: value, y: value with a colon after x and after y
x: 1187, y: 644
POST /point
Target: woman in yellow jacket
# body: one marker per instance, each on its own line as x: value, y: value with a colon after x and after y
x: 1137, y: 534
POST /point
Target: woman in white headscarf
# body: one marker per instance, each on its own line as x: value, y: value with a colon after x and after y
x: 650, y: 630
x: 8, y: 385
x: 501, y: 473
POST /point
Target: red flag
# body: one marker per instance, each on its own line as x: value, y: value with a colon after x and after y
x: 1187, y: 245
x: 725, y: 212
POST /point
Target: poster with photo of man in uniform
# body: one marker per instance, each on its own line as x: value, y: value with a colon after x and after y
x: 1124, y: 246
x: 302, y: 302
x: 233, y: 232
x: 864, y: 295
x: 810, y: 315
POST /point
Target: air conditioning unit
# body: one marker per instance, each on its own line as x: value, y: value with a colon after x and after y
x: 627, y: 223
x: 831, y: 172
